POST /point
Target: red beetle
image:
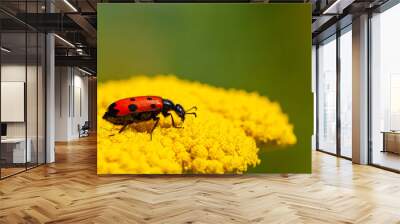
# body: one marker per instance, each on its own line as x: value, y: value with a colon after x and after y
x: 143, y: 108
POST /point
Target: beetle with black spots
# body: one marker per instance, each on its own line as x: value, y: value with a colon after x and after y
x: 144, y: 108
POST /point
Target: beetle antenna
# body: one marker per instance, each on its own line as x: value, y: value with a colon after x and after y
x: 195, y: 115
x: 192, y: 108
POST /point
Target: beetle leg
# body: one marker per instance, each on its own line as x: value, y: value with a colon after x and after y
x: 172, y: 119
x: 123, y: 127
x: 157, y: 119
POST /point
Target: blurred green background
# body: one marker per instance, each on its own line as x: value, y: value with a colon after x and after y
x: 256, y: 47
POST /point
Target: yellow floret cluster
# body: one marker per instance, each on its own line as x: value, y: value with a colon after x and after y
x: 221, y: 139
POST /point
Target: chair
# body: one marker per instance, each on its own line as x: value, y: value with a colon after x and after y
x: 84, y: 130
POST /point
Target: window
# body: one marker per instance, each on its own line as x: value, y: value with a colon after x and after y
x: 334, y: 106
x: 346, y: 92
x: 385, y: 89
x: 327, y: 95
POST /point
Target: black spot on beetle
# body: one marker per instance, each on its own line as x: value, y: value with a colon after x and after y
x: 149, y: 98
x: 132, y: 107
x: 153, y: 106
x: 133, y: 99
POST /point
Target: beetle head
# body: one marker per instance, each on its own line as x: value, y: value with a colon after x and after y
x: 182, y: 113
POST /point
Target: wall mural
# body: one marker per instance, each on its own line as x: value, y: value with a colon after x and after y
x: 204, y: 88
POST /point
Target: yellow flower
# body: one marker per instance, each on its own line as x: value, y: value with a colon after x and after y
x: 222, y: 139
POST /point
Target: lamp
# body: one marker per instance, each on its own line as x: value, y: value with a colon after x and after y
x: 70, y: 5
x: 64, y: 40
x: 5, y: 50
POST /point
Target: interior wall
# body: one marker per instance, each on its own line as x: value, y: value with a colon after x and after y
x: 79, y: 102
x: 33, y: 126
x: 71, y: 102
x: 62, y: 80
x: 16, y: 72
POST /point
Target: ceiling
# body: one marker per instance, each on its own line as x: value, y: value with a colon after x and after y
x: 76, y: 22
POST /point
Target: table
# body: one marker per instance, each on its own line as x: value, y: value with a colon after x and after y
x: 18, y: 151
x: 391, y: 141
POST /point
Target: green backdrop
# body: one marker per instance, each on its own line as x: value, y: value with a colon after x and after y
x: 256, y: 47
